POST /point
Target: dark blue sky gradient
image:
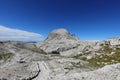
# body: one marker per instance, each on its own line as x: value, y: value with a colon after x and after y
x: 88, y: 19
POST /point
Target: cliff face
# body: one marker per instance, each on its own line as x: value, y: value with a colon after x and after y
x: 60, y: 57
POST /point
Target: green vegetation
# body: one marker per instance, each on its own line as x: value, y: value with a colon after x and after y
x: 77, y: 56
x: 106, y: 48
x: 82, y: 56
x: 103, y: 60
x: 85, y: 52
x: 109, y: 55
x: 5, y: 56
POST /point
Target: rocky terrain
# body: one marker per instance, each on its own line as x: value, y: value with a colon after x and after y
x: 62, y: 56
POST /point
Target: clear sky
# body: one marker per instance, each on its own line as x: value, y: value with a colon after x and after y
x: 87, y: 19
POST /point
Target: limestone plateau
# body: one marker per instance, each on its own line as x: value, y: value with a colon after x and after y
x: 61, y: 56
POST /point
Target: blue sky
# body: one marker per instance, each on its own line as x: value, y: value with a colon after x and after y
x: 87, y: 19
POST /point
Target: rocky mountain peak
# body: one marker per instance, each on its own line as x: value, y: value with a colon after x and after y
x: 59, y: 34
x: 60, y: 31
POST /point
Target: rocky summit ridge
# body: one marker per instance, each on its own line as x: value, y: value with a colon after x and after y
x: 60, y: 34
x: 61, y: 56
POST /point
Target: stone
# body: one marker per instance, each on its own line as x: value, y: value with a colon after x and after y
x: 59, y: 57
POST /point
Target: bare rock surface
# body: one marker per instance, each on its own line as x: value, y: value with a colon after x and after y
x: 114, y: 41
x: 60, y: 57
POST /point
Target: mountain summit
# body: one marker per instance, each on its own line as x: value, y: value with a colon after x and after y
x: 59, y: 34
x: 58, y: 40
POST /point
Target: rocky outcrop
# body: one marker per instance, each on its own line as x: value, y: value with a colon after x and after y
x: 114, y: 41
x: 58, y: 41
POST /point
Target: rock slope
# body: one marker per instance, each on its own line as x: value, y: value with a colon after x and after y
x: 61, y: 56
